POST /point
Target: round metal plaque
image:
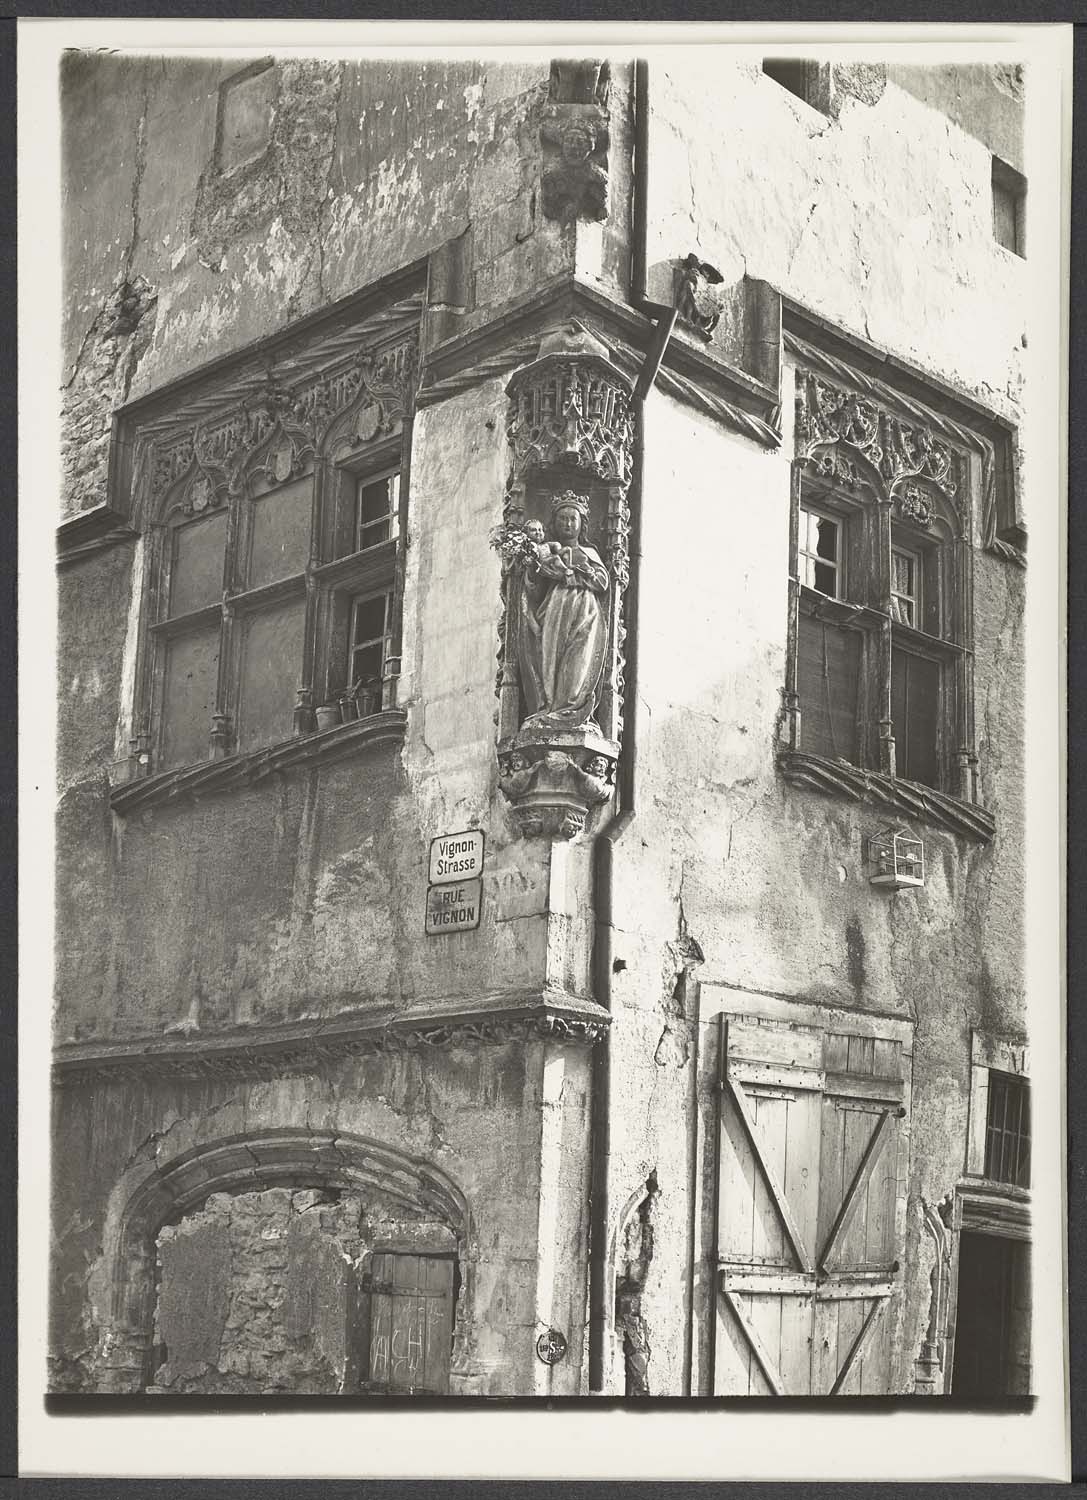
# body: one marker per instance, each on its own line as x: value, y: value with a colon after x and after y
x: 551, y: 1346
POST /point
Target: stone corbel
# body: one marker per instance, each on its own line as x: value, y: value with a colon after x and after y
x: 575, y: 139
x: 560, y: 679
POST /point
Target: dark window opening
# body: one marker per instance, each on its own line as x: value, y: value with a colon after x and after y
x: 792, y: 73
x: 1009, y: 207
x: 244, y: 125
x: 371, y: 632
x: 915, y: 714
x: 1007, y: 1129
x: 992, y: 1322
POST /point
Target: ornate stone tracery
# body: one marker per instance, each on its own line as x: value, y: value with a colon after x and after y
x: 570, y: 433
x: 903, y: 461
x: 277, y: 431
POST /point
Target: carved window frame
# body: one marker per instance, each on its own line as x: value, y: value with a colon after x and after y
x: 892, y: 483
x: 327, y: 407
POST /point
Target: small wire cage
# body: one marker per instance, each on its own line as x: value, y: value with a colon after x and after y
x: 897, y: 859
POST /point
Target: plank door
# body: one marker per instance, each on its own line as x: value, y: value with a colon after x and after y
x: 807, y: 1209
x: 409, y: 1330
x: 768, y: 1206
x: 858, y: 1211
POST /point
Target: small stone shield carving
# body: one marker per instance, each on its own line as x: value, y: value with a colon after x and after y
x: 282, y: 463
x: 368, y: 422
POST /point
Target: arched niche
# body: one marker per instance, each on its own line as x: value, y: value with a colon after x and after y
x: 248, y: 1163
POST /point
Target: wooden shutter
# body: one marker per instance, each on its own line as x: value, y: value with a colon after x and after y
x: 807, y: 1208
x: 915, y: 711
x: 828, y: 675
x: 409, y: 1330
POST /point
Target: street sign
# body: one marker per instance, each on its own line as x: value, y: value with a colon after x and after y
x: 453, y: 908
x: 456, y: 856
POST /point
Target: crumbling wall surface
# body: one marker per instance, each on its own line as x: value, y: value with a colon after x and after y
x: 293, y: 898
x: 233, y: 1311
x: 258, y: 1290
x: 178, y: 251
x: 877, y: 215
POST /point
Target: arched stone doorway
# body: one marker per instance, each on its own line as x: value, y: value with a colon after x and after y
x: 413, y: 1217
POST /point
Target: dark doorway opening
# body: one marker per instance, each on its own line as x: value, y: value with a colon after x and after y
x: 992, y: 1321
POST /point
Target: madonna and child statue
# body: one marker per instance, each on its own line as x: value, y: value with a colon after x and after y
x: 555, y: 761
x: 561, y: 621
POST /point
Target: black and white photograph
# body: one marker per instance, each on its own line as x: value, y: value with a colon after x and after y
x: 546, y: 701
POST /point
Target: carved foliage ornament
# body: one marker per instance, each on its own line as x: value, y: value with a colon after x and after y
x: 278, y: 430
x: 908, y: 458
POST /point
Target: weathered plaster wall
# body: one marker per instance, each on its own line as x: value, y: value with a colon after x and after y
x: 878, y: 217
x: 770, y: 880
x: 476, y: 1113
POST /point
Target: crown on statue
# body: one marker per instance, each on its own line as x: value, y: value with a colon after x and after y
x: 568, y: 500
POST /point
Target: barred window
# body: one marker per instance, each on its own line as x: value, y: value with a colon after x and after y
x: 1007, y: 1129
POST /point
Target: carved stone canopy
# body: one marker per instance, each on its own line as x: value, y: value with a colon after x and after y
x: 563, y: 541
x: 904, y: 462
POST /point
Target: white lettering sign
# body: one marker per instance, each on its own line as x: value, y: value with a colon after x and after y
x: 456, y: 856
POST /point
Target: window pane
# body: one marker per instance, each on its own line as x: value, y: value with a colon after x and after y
x: 828, y: 674
x: 375, y: 510
x: 192, y: 667
x: 196, y: 569
x: 369, y: 619
x: 281, y: 533
x: 915, y: 702
x: 1007, y: 1129
x: 826, y: 538
x: 820, y: 553
x: 271, y: 663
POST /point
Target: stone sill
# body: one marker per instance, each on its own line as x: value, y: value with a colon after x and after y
x: 303, y: 1046
x: 304, y: 751
x: 839, y: 778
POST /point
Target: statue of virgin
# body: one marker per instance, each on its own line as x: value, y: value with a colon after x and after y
x: 562, y: 623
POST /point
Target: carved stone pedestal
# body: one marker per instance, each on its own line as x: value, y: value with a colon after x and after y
x: 554, y: 778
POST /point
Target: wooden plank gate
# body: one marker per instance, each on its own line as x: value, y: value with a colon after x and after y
x: 809, y: 1208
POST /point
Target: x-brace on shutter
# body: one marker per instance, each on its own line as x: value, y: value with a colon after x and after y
x: 807, y: 1209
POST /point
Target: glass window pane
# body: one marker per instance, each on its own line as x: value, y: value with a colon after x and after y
x: 281, y: 533
x: 196, y: 568
x: 271, y: 664
x: 827, y: 538
x: 375, y: 510
x: 192, y: 667
x: 826, y: 578
x: 370, y: 616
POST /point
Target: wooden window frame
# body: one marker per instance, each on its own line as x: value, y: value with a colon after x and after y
x: 870, y: 533
x: 326, y: 584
